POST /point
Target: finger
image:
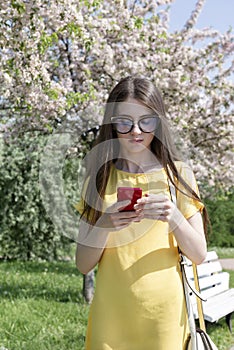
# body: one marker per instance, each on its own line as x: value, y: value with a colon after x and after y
x: 121, y: 226
x: 155, y: 216
x: 121, y: 205
x: 118, y: 206
x: 128, y: 215
x: 153, y: 198
x: 162, y: 204
x: 123, y: 217
x: 124, y: 222
x: 151, y: 205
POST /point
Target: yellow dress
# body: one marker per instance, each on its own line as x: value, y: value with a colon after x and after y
x: 139, y: 302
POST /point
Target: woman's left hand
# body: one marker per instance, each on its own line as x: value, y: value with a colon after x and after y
x: 157, y: 207
x: 188, y: 232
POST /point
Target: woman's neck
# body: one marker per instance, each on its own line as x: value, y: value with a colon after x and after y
x: 138, y: 166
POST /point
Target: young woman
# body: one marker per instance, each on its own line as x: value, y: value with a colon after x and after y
x: 139, y: 300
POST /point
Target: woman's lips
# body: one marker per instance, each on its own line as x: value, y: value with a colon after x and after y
x: 136, y: 140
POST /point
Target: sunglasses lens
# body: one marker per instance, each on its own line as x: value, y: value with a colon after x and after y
x: 148, y: 124
x: 123, y: 125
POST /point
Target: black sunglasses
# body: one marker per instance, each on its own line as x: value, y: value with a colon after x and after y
x: 124, y: 124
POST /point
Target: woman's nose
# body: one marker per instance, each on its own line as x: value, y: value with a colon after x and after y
x: 136, y: 130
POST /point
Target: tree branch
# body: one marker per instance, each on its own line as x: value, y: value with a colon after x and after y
x: 217, y: 137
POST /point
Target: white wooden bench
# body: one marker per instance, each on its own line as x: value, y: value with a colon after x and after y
x: 214, y: 286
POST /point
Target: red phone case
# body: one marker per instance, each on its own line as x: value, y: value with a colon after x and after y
x: 131, y: 193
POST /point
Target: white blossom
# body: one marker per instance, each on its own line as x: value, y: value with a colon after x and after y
x: 61, y: 58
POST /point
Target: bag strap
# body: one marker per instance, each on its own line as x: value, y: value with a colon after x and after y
x: 199, y: 300
x: 195, y: 290
x: 186, y: 283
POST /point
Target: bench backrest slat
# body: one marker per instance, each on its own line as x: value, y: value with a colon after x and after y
x: 214, y: 286
x: 212, y: 279
x: 210, y: 292
x: 205, y: 269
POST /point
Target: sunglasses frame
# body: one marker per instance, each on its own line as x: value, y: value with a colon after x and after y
x: 128, y: 117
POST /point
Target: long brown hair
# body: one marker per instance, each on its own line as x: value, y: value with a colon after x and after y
x: 103, y: 157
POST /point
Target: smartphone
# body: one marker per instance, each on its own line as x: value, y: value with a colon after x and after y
x: 131, y: 193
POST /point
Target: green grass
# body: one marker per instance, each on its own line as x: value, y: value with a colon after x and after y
x: 219, y: 331
x: 42, y: 308
x: 223, y: 253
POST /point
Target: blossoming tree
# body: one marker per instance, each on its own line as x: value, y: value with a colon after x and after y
x: 60, y: 57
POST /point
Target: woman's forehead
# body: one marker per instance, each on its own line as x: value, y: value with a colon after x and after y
x: 132, y: 108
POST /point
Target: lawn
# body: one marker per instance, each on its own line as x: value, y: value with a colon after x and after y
x: 42, y: 308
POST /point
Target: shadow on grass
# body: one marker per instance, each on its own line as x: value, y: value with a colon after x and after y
x: 56, y: 281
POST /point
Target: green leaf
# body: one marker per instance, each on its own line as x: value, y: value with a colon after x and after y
x: 19, y: 6
x: 138, y: 22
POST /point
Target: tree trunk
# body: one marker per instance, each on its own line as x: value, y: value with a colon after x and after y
x: 88, y: 286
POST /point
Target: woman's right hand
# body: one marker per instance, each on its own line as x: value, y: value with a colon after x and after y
x: 92, y: 239
x: 114, y: 219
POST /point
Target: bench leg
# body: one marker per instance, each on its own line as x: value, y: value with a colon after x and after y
x: 229, y: 321
x: 207, y: 324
